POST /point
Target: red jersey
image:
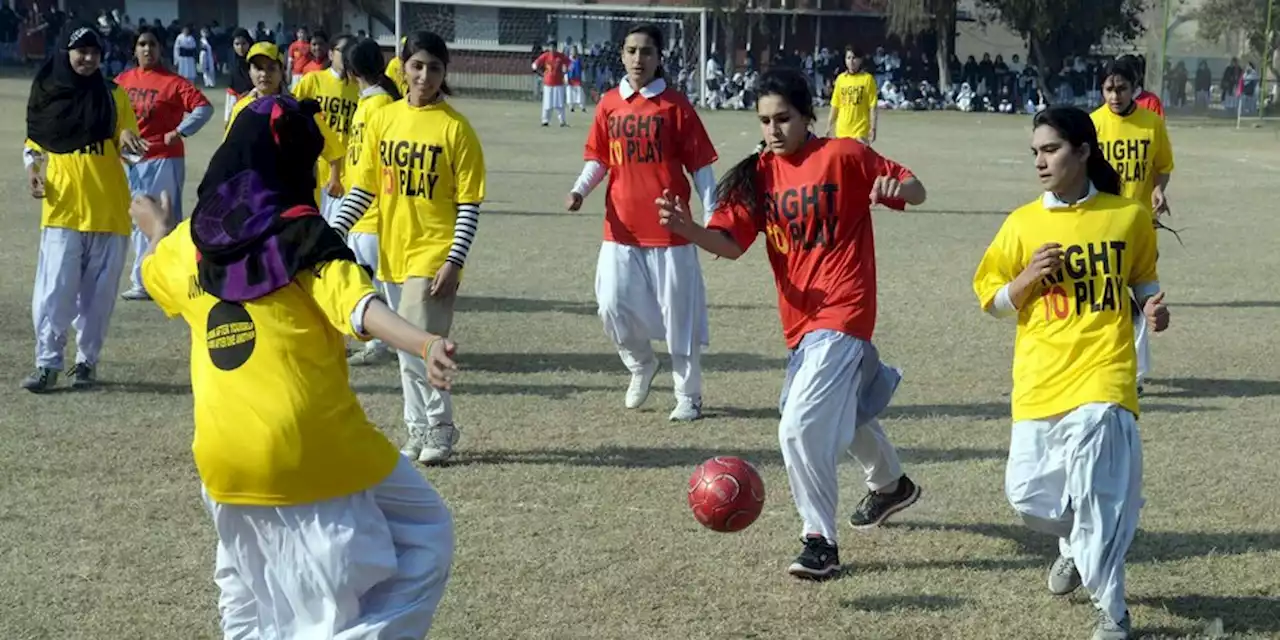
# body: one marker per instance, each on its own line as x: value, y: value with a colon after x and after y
x: 299, y: 55
x: 1150, y: 102
x: 553, y: 65
x: 648, y: 141
x: 161, y: 99
x: 816, y: 213
x: 313, y: 64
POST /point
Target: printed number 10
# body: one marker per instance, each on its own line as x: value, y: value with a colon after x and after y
x: 1055, y: 303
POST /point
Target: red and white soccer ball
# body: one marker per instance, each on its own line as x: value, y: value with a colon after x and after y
x: 726, y: 494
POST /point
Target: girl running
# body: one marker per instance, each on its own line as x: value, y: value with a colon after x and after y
x: 422, y: 163
x: 240, y: 84
x: 323, y: 530
x: 338, y: 95
x: 363, y: 60
x: 169, y: 109
x: 812, y: 199
x: 1136, y: 143
x: 649, y: 285
x: 78, y: 125
x: 1060, y: 264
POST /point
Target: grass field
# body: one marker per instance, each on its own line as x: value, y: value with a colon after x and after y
x: 571, y: 510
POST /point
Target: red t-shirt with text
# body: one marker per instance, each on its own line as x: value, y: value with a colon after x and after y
x: 299, y: 55
x: 553, y: 65
x: 1150, y: 102
x: 160, y: 99
x: 816, y: 215
x: 648, y: 144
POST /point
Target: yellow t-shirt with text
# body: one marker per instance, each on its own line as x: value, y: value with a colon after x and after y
x: 1074, y: 343
x: 1137, y: 146
x: 276, y: 421
x: 338, y: 101
x: 368, y: 223
x: 420, y: 163
x: 87, y: 190
x: 395, y: 71
x: 855, y: 96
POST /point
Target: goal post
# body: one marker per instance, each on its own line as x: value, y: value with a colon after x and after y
x: 492, y: 43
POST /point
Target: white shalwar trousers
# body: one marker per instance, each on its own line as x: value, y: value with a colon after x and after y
x: 373, y: 564
x: 151, y: 177
x: 835, y: 389
x: 655, y: 293
x: 365, y: 246
x: 1079, y: 477
x: 552, y: 100
x: 575, y: 97
x: 1141, y: 341
x: 77, y: 280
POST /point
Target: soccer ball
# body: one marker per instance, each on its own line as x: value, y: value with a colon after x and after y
x: 726, y: 494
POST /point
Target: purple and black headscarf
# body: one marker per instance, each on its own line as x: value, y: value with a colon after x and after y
x: 255, y: 224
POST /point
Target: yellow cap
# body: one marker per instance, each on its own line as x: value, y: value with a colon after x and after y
x: 265, y: 49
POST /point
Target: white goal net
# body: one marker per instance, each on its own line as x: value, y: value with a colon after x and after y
x: 492, y: 43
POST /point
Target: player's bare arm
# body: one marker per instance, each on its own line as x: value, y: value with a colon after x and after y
x: 677, y: 217
x: 1159, y: 201
x: 153, y: 218
x: 888, y: 188
x: 386, y: 325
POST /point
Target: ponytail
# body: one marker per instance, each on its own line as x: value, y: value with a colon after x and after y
x: 739, y: 187
x: 1100, y: 172
x: 389, y: 86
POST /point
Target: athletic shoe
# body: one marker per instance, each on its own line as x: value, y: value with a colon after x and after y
x: 1109, y: 629
x: 368, y: 356
x: 135, y: 293
x: 638, y: 390
x: 437, y: 446
x: 1063, y: 576
x: 819, y: 560
x: 42, y: 380
x: 875, y: 508
x: 412, y: 447
x: 83, y: 376
x: 687, y: 410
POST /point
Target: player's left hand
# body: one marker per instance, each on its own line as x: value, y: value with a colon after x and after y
x: 1156, y: 312
x: 172, y: 137
x: 132, y: 143
x: 334, y: 189
x: 885, y: 188
x: 1159, y: 203
x: 445, y: 283
x: 441, y: 368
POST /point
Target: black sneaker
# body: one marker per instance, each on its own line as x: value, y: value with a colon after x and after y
x: 875, y: 508
x: 820, y: 560
x: 42, y: 380
x: 82, y: 376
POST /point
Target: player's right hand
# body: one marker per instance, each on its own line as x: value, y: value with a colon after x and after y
x: 673, y: 213
x: 441, y: 368
x: 1045, y: 261
x: 573, y: 202
x: 35, y: 182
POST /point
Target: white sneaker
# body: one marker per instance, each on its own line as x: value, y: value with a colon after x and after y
x: 687, y: 410
x: 641, y: 383
x: 368, y: 356
x: 412, y: 447
x: 136, y: 293
x: 437, y: 446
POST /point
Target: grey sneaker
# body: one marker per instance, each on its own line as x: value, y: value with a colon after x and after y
x: 1108, y: 629
x: 437, y: 446
x: 641, y: 383
x: 412, y: 447
x: 42, y: 380
x: 1063, y: 576
x: 687, y: 410
x: 369, y: 356
x: 83, y: 376
x: 136, y: 293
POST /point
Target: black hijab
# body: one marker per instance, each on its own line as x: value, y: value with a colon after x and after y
x: 67, y: 111
x: 241, y: 83
x: 255, y: 224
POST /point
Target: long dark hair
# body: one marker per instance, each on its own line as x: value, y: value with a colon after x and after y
x: 363, y: 59
x: 341, y: 43
x: 654, y: 34
x: 432, y: 44
x: 740, y: 186
x: 1076, y: 127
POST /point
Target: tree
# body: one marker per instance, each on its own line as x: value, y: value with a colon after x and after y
x: 1219, y: 18
x: 1055, y: 29
x: 911, y: 17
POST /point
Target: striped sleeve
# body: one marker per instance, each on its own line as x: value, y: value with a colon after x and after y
x: 353, y: 207
x: 464, y: 232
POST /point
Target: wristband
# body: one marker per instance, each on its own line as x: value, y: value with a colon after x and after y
x: 426, y: 348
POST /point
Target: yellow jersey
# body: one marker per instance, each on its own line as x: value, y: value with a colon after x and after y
x: 1137, y: 146
x: 376, y: 99
x: 334, y: 147
x: 276, y: 421
x: 854, y: 96
x: 1074, y: 342
x: 420, y: 163
x: 86, y: 190
x: 338, y: 101
x: 395, y: 71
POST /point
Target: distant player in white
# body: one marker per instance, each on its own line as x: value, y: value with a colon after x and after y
x: 186, y: 51
x: 552, y: 65
x: 646, y: 136
x: 574, y: 78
